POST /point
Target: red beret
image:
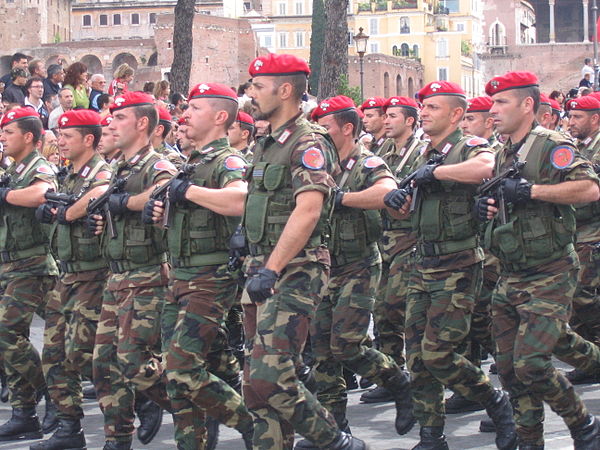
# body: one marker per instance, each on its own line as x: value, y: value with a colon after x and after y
x: 16, y: 114
x: 106, y: 120
x: 163, y: 114
x: 441, y: 88
x: 480, y: 104
x: 182, y: 121
x: 587, y: 103
x: 275, y: 64
x: 545, y: 100
x: 596, y: 95
x: 511, y: 80
x: 555, y: 105
x: 373, y: 102
x: 246, y: 118
x: 79, y: 118
x: 131, y: 98
x: 212, y: 90
x: 333, y: 105
x: 403, y: 102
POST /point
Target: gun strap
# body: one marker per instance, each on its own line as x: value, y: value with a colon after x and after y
x: 28, y: 167
x: 90, y: 178
x: 347, y: 171
x: 410, y: 151
x: 524, y: 150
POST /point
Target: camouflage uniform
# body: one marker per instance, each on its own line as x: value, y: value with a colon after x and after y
x: 532, y: 301
x: 167, y: 152
x: 443, y: 287
x: 128, y: 339
x: 204, y: 291
x: 72, y: 316
x: 293, y: 159
x: 28, y: 277
x: 396, y: 245
x: 381, y: 146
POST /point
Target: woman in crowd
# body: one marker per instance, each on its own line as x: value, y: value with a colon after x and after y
x: 76, y: 80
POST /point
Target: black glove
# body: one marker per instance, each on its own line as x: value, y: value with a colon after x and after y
x: 480, y: 209
x: 3, y: 193
x: 424, y: 174
x: 516, y: 190
x: 117, y: 203
x: 260, y: 285
x: 396, y: 198
x: 148, y: 212
x: 178, y: 189
x: 43, y: 213
x: 90, y: 225
x: 61, y: 215
x: 337, y: 200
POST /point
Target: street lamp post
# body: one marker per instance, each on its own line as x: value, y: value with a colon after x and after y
x: 361, y: 48
x: 595, y: 16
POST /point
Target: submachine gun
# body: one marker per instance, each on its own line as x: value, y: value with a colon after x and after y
x: 405, y: 183
x: 493, y: 188
x: 100, y: 205
x: 161, y: 193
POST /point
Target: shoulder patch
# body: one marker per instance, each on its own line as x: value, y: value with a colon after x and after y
x: 313, y: 158
x: 45, y: 170
x: 164, y: 166
x: 103, y: 175
x: 373, y: 161
x: 475, y: 141
x: 234, y: 163
x: 562, y: 157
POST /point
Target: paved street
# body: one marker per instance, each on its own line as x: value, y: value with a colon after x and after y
x: 373, y: 423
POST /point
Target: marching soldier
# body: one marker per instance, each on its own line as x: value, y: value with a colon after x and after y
x: 241, y: 134
x: 72, y: 317
x: 372, y: 109
x: 28, y: 272
x: 107, y: 148
x: 533, y: 237
x: 159, y: 135
x: 447, y: 277
x: 285, y: 221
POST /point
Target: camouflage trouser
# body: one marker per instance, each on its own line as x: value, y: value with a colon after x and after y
x: 275, y: 333
x: 128, y: 342
x: 438, y: 318
x: 390, y: 307
x: 22, y: 297
x: 339, y: 332
x: 203, y: 305
x: 585, y: 319
x: 70, y: 331
x: 530, y: 314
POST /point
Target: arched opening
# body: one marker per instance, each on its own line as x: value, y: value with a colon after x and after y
x: 497, y: 34
x: 93, y: 64
x: 398, y: 85
x: 395, y: 51
x: 122, y: 58
x: 386, y: 84
x: 415, y: 51
x: 404, y: 50
x: 153, y: 60
x: 411, y: 88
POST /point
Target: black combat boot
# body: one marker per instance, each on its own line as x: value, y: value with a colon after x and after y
x: 365, y: 383
x: 212, y: 433
x: 350, y: 378
x: 50, y: 422
x: 432, y: 438
x: 399, y: 385
x: 68, y: 436
x: 89, y: 392
x: 305, y: 374
x: 4, y: 390
x: 487, y: 426
x: 377, y: 395
x: 345, y: 441
x: 580, y: 377
x: 23, y: 424
x: 341, y: 421
x: 499, y: 409
x: 587, y: 435
x: 527, y: 446
x: 457, y: 404
x: 150, y: 415
x: 117, y: 445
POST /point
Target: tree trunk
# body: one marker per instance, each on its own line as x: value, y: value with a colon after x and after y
x: 335, y: 51
x: 317, y: 38
x: 182, y: 46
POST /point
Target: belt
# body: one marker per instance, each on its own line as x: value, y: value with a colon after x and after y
x: 446, y: 247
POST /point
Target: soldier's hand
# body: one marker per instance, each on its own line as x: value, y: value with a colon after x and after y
x: 516, y: 190
x: 396, y: 198
x: 152, y: 212
x: 3, y: 193
x: 44, y: 213
x: 178, y: 189
x: 424, y: 175
x: 117, y: 203
x: 483, y: 209
x: 260, y: 285
x: 61, y: 215
x: 337, y: 199
x: 94, y: 223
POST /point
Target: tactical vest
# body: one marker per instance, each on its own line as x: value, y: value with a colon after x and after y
x: 74, y: 250
x: 586, y: 213
x: 354, y: 231
x: 199, y: 236
x: 270, y: 199
x: 443, y: 218
x: 536, y: 232
x: 137, y: 244
x: 21, y: 235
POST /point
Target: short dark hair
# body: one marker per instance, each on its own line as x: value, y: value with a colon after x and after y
x: 148, y: 111
x: 17, y: 57
x: 31, y: 80
x: 53, y: 69
x: 33, y: 65
x: 349, y: 116
x: 103, y: 99
x: 411, y: 112
x: 148, y: 87
x: 176, y: 97
x: 298, y: 82
x: 251, y: 129
x: 587, y: 60
x: 31, y: 125
x: 533, y: 92
x: 166, y: 127
x: 230, y: 107
x: 94, y: 131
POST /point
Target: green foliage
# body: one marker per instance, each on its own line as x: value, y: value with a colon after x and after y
x: 317, y: 42
x: 364, y: 6
x: 57, y: 38
x: 349, y: 91
x: 466, y: 48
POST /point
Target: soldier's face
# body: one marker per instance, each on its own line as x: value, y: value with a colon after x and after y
x: 373, y: 120
x: 508, y: 112
x: 107, y: 142
x: 125, y: 127
x: 436, y: 115
x: 581, y: 124
x: 265, y: 99
x: 13, y: 140
x: 234, y: 133
x: 335, y: 131
x: 71, y: 144
x: 474, y: 123
x: 184, y: 143
x: 395, y: 124
x: 200, y: 117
